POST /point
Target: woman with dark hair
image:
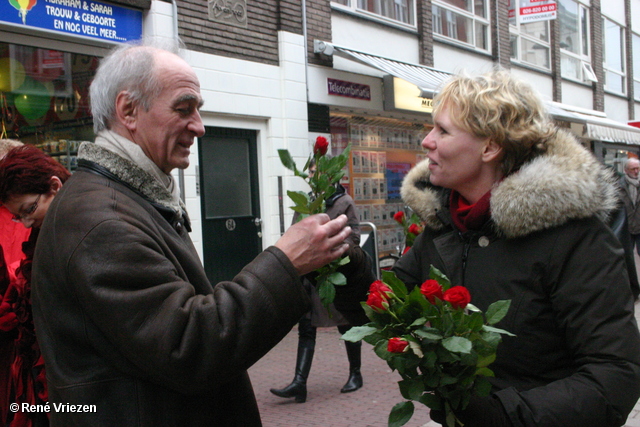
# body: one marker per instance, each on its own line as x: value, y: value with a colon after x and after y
x: 29, y: 180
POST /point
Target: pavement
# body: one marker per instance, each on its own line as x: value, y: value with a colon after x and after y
x: 325, y: 405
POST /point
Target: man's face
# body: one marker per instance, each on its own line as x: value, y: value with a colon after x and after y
x: 168, y: 130
x: 633, y: 169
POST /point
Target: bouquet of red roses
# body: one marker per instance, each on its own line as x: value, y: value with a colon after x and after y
x: 411, y: 227
x: 440, y: 344
x: 323, y: 182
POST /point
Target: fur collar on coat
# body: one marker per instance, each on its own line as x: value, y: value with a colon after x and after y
x: 131, y: 174
x: 567, y: 182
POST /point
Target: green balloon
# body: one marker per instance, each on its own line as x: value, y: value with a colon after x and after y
x: 32, y: 100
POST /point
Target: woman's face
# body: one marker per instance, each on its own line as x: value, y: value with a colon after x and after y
x: 30, y: 209
x: 458, y: 159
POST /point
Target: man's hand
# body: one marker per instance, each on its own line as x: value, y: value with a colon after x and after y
x: 315, y: 241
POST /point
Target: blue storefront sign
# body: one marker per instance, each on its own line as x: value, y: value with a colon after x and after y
x: 79, y: 17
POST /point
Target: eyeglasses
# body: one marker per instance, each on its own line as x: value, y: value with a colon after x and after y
x: 28, y: 212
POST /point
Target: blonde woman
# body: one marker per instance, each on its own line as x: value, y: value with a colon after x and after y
x: 515, y: 209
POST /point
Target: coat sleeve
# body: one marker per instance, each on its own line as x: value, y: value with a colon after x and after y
x: 153, y: 318
x: 590, y: 297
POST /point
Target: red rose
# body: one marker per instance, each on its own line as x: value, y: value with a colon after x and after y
x: 431, y: 289
x: 415, y: 229
x: 397, y: 345
x: 321, y: 146
x: 458, y: 296
x: 399, y: 216
x: 378, y: 298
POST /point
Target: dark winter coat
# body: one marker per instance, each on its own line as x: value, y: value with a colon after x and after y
x: 127, y: 319
x: 575, y: 360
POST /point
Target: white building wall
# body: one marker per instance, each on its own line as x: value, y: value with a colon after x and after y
x: 453, y: 60
x: 577, y: 95
x: 616, y: 108
x: 541, y: 82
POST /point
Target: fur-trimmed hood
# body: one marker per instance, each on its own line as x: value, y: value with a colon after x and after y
x: 567, y: 182
x: 130, y: 174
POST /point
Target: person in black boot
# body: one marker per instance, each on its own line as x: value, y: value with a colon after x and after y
x: 346, y: 310
x: 354, y: 354
x: 306, y: 348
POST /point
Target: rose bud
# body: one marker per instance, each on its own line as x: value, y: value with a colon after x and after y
x: 431, y: 289
x: 399, y: 216
x: 458, y: 296
x: 415, y: 229
x: 397, y: 345
x: 378, y: 298
x: 321, y: 146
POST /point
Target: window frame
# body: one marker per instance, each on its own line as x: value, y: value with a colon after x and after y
x: 470, y: 15
x: 353, y: 6
x: 623, y: 57
x: 584, y: 35
x: 515, y: 30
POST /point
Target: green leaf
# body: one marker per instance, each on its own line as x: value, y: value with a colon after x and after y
x: 411, y: 389
x: 298, y: 197
x: 431, y: 334
x: 419, y: 322
x: 457, y: 344
x: 343, y: 261
x: 357, y: 333
x: 497, y: 330
x: 482, y: 386
x: 438, y: 275
x: 337, y: 278
x: 431, y: 401
x: 327, y: 293
x: 287, y: 160
x: 485, y: 372
x: 396, y: 285
x: 497, y: 311
x: 401, y: 414
x: 486, y: 360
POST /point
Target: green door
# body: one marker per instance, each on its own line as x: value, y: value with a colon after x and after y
x: 231, y: 224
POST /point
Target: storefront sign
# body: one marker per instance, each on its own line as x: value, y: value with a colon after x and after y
x: 348, y: 89
x: 532, y: 11
x: 232, y: 12
x: 402, y: 95
x: 83, y: 18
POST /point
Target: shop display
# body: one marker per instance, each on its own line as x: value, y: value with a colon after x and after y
x: 383, y: 151
x: 44, y: 99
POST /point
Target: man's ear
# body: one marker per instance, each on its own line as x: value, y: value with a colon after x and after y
x: 126, y: 110
x: 491, y: 151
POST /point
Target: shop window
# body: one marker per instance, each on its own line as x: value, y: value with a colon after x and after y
x: 382, y: 152
x: 614, y: 57
x: 575, y: 57
x: 395, y: 10
x: 44, y: 98
x: 464, y: 21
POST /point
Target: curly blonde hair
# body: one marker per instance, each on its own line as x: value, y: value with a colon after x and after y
x: 496, y: 105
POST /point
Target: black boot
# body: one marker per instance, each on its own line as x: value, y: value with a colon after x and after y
x: 306, y: 348
x: 354, y: 353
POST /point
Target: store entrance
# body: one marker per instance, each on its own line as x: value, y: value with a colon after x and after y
x: 231, y: 223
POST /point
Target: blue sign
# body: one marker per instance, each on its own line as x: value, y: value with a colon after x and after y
x: 83, y: 18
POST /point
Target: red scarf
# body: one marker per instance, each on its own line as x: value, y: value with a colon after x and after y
x: 470, y: 217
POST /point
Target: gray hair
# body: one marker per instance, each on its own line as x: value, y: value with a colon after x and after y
x: 129, y: 67
x: 8, y: 144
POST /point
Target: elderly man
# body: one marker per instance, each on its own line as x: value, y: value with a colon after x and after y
x: 127, y: 320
